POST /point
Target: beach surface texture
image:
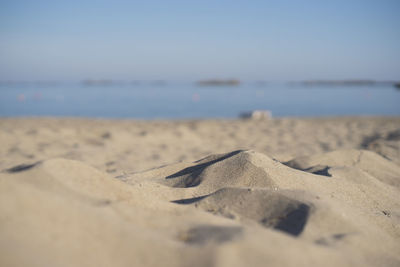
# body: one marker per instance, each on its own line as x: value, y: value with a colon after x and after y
x: 273, y: 192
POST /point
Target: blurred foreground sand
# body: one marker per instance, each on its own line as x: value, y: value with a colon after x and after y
x: 287, y: 192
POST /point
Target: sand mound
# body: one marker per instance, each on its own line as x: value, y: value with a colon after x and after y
x: 268, y: 208
x: 235, y: 209
x: 387, y: 145
x: 368, y: 161
x: 217, y: 171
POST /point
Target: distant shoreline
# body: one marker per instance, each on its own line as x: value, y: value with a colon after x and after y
x: 206, y: 82
x: 347, y: 82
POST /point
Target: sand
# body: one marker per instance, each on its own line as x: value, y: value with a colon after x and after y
x: 279, y: 192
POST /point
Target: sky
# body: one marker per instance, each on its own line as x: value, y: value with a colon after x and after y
x: 190, y: 40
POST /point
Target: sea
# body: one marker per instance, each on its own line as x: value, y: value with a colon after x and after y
x: 188, y: 100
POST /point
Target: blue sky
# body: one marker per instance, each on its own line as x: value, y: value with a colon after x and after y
x: 186, y: 40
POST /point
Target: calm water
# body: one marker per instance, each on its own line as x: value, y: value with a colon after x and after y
x: 148, y: 101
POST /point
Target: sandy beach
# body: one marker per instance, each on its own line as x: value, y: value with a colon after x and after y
x: 277, y: 192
